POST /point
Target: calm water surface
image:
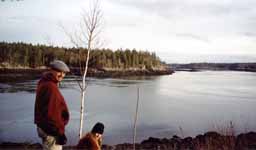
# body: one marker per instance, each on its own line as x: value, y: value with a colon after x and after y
x: 185, y: 104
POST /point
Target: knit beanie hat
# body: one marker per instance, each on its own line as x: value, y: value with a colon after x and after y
x: 98, y: 128
x: 59, y: 65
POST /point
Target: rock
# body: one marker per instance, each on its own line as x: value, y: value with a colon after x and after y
x: 187, y: 143
x: 246, y: 141
x: 13, y: 145
x: 125, y: 146
x: 208, y: 141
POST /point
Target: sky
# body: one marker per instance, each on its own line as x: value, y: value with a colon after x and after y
x: 178, y: 31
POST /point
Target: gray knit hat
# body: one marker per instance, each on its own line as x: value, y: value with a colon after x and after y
x: 59, y: 65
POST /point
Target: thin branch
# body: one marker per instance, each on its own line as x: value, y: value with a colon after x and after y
x: 77, y: 80
x: 136, y: 118
x: 71, y: 37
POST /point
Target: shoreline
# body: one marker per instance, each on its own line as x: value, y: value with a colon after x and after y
x: 209, y: 141
x: 21, y: 74
x: 195, y: 67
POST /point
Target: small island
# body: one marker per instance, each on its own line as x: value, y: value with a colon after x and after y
x: 21, y: 59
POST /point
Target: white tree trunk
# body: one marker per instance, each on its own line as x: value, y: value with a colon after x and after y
x: 83, y: 90
x: 90, y: 29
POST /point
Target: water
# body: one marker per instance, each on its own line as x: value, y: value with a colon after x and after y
x: 183, y: 104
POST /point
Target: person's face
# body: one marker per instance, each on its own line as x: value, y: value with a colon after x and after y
x: 98, y: 136
x: 60, y: 76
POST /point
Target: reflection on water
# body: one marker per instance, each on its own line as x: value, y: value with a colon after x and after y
x: 72, y: 83
x: 196, y: 102
x: 18, y: 87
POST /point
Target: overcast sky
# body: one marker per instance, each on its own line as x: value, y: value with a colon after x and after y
x: 177, y: 30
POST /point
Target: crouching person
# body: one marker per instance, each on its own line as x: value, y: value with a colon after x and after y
x: 92, y: 140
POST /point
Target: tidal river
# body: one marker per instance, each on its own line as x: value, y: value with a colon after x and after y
x: 183, y: 104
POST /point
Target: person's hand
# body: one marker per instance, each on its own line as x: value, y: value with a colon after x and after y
x: 99, y: 138
x: 65, y: 117
x: 61, y: 139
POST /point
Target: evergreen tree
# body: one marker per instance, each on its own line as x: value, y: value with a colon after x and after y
x: 28, y: 55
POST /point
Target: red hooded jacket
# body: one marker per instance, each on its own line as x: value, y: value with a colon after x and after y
x: 51, y: 111
x: 90, y: 142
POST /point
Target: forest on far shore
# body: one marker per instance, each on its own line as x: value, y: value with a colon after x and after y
x: 23, y: 55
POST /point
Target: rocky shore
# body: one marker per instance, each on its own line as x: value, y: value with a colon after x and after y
x: 11, y: 74
x: 207, y: 141
x: 129, y: 72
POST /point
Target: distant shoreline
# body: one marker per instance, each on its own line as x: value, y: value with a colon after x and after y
x: 193, y: 67
x: 10, y: 74
x: 19, y: 74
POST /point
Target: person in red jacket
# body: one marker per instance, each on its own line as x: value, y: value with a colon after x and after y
x: 51, y: 111
x: 93, y: 139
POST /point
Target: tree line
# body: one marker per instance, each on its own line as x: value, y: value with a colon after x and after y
x: 34, y: 56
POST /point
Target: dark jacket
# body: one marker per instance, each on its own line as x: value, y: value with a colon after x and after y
x: 89, y: 142
x: 51, y: 112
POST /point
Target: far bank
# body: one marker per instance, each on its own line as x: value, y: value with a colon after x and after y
x: 23, y: 74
